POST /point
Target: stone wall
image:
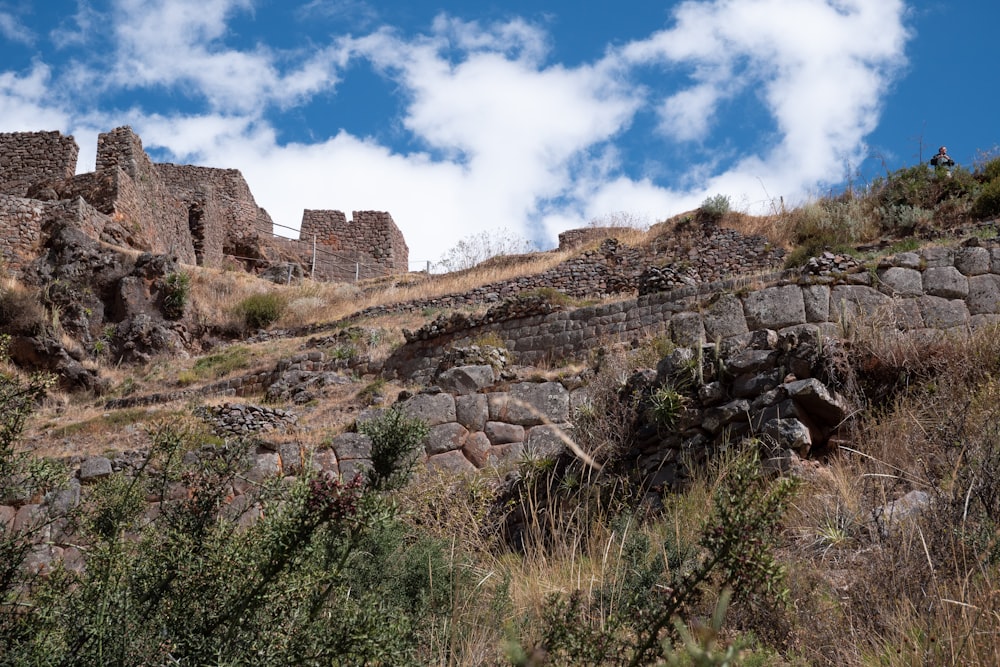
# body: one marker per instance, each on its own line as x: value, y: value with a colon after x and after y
x: 370, y: 245
x: 200, y: 215
x: 222, y: 216
x: 141, y: 198
x: 938, y: 289
x: 27, y: 158
x: 24, y: 219
x: 713, y: 254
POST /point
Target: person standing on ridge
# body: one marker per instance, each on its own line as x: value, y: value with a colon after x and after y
x: 942, y: 159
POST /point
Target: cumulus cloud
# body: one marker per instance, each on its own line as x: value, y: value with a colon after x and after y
x: 822, y: 68
x: 166, y: 43
x: 498, y: 135
x: 24, y: 101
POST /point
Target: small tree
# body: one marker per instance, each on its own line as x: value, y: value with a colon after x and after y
x: 476, y: 248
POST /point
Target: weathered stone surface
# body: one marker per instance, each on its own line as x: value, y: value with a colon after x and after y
x: 433, y: 409
x: 445, y: 438
x: 472, y: 411
x: 972, y: 260
x: 60, y: 502
x: 898, y: 281
x: 502, y: 455
x: 942, y: 313
x: 937, y: 256
x: 724, y: 318
x: 905, y: 315
x: 94, y: 468
x: 267, y: 465
x: 906, y: 260
x: 466, y: 379
x: 752, y: 384
x: 945, y: 281
x: 816, y: 301
x: 532, y: 403
x: 984, y: 295
x: 545, y: 441
x: 775, y: 307
x: 788, y: 434
x: 291, y: 458
x: 325, y: 460
x: 751, y: 361
x: 502, y: 433
x: 813, y: 397
x: 7, y: 514
x: 715, y: 419
x: 349, y: 469
x: 452, y: 462
x: 849, y: 302
x: 31, y: 518
x: 909, y: 506
x: 687, y: 329
x: 477, y: 449
x: 351, y: 446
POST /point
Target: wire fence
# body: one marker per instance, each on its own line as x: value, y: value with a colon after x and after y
x: 319, y: 252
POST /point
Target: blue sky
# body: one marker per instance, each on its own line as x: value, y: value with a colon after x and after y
x: 533, y: 117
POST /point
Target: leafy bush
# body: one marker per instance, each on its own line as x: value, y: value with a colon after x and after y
x: 259, y: 311
x: 715, y: 208
x: 396, y: 439
x: 325, y: 575
x: 733, y: 551
x: 989, y: 171
x: 176, y: 292
x: 987, y: 204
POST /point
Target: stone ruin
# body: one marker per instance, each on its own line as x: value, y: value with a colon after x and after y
x: 199, y: 215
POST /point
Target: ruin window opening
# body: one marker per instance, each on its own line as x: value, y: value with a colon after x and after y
x: 196, y: 224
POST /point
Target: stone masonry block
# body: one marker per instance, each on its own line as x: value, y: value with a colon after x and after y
x: 725, y: 318
x: 984, y: 294
x: 947, y: 282
x: 775, y: 307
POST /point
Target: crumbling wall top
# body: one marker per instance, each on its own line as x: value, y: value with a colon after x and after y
x: 27, y: 158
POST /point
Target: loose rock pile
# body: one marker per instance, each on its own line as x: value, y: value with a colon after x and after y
x: 772, y: 387
x: 239, y: 419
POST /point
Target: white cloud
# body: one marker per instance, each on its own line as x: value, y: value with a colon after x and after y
x: 24, y: 105
x: 506, y: 138
x: 822, y: 68
x: 168, y: 43
x: 12, y: 29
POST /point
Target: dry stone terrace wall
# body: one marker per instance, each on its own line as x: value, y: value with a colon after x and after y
x: 937, y: 290
x: 30, y: 157
x: 614, y: 268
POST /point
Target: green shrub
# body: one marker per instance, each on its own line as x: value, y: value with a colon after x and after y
x: 715, y: 208
x: 396, y: 440
x: 260, y: 311
x: 990, y: 171
x: 987, y: 204
x: 176, y: 291
x: 666, y: 405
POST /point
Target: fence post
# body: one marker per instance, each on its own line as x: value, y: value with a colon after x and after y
x: 312, y: 271
x: 357, y: 271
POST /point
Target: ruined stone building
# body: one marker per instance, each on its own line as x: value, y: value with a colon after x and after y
x: 201, y: 215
